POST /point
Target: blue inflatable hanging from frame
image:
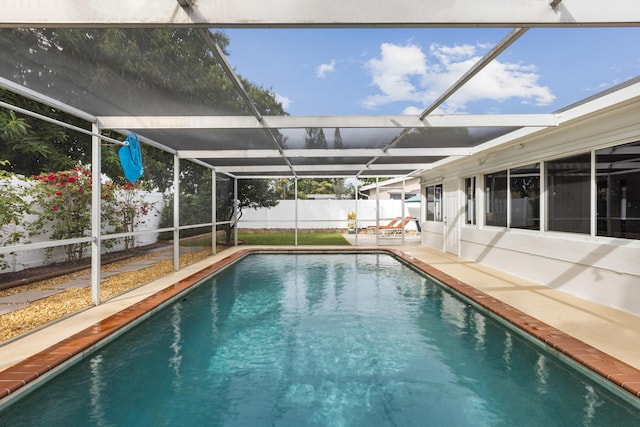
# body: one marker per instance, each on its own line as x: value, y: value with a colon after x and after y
x: 131, y: 158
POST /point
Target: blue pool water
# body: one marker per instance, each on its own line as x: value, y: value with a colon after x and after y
x: 320, y: 340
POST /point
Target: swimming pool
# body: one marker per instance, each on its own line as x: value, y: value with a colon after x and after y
x: 320, y: 339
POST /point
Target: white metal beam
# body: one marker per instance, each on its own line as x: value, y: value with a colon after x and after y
x: 37, y: 96
x: 352, y: 121
x: 584, y: 109
x: 475, y: 69
x: 323, y: 153
x: 318, y: 13
x: 323, y: 168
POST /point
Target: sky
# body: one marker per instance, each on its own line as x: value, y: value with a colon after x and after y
x: 402, y: 71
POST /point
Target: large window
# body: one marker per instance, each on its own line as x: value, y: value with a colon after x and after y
x: 513, y: 197
x: 525, y: 196
x: 568, y: 183
x: 495, y: 191
x: 618, y: 193
x: 434, y: 203
x: 470, y: 200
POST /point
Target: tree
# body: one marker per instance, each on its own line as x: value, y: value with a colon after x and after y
x: 337, y: 140
x: 14, y: 206
x: 33, y: 146
x: 107, y: 70
x: 342, y: 189
x: 315, y: 138
x: 252, y: 194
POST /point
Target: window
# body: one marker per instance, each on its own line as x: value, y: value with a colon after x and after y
x: 495, y: 185
x: 525, y: 197
x: 470, y: 200
x: 618, y: 191
x: 434, y: 203
x: 568, y: 183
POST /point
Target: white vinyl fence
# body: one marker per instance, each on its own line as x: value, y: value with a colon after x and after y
x: 311, y: 214
x: 325, y: 214
x: 38, y: 257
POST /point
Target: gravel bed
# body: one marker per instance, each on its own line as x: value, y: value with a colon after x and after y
x: 71, y: 301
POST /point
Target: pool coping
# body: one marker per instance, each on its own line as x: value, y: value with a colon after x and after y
x: 33, y: 369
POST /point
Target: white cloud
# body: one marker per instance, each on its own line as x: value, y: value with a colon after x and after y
x: 324, y: 69
x: 412, y: 110
x: 392, y: 73
x: 286, y: 102
x: 407, y: 74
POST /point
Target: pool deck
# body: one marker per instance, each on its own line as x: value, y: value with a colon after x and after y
x: 601, y: 339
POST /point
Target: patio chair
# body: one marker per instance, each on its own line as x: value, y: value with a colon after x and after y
x: 393, y: 223
x: 396, y: 229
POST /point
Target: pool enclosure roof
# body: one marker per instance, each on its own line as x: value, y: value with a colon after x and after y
x: 235, y: 134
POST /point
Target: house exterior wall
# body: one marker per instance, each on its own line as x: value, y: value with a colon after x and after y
x: 390, y: 191
x: 605, y: 270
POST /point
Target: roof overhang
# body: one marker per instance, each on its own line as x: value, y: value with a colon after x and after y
x: 318, y: 13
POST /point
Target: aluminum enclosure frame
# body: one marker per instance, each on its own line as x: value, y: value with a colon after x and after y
x: 315, y: 14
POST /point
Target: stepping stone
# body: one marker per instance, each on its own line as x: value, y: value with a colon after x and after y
x: 84, y: 281
x: 8, y: 308
x: 144, y: 263
x: 27, y: 296
x: 77, y: 283
x: 161, y: 257
x: 138, y: 265
x: 106, y: 274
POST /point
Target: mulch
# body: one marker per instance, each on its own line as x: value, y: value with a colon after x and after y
x: 29, y: 275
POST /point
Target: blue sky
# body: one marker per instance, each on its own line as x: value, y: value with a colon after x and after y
x: 400, y: 71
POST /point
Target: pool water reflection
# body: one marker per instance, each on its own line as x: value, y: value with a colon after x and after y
x: 320, y: 339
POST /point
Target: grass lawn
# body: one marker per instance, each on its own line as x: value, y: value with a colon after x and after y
x: 288, y: 238
x: 278, y: 239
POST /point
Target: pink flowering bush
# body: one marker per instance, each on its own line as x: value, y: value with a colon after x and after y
x: 129, y: 206
x: 64, y: 207
x: 64, y: 199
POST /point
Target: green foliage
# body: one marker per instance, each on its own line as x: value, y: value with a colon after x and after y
x: 337, y: 140
x: 335, y: 186
x: 126, y: 204
x: 315, y: 138
x: 252, y: 194
x: 13, y: 209
x: 33, y: 146
x: 64, y: 207
x: 285, y: 188
x: 62, y: 201
x: 174, y: 69
x: 195, y: 200
x: 12, y: 128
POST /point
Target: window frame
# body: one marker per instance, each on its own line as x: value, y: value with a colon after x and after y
x: 470, y: 201
x: 436, y: 190
x: 490, y: 218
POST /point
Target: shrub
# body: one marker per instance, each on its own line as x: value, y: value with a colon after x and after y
x: 63, y: 202
x: 14, y: 206
x: 127, y: 203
